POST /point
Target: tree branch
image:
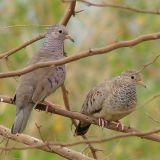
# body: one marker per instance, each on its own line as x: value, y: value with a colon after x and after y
x: 131, y: 134
x: 10, y: 52
x: 52, y: 108
x: 124, y: 7
x: 69, y: 12
x: 39, y: 144
x: 84, y: 54
x: 150, y: 63
x: 82, y: 142
x: 64, y: 21
x: 67, y: 106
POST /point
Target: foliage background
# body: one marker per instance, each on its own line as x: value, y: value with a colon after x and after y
x: 95, y: 27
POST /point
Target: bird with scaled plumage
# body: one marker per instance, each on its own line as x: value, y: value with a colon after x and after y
x: 111, y: 100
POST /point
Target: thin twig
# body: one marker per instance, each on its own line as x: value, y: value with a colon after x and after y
x: 152, y: 118
x: 131, y: 134
x: 23, y: 25
x: 150, y: 100
x: 124, y: 7
x: 84, y: 54
x: 150, y: 63
x: 10, y: 52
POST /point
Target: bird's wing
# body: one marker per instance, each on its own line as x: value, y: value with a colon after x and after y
x: 51, y: 80
x: 94, y: 100
x: 43, y: 86
x: 92, y: 105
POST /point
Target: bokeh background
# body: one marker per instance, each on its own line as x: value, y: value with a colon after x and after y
x: 94, y: 27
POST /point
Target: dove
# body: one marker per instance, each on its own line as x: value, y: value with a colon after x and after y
x: 111, y: 100
x: 36, y: 85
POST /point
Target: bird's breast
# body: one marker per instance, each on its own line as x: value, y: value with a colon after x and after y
x: 123, y: 98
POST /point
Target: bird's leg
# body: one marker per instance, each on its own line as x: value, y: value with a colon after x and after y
x: 13, y: 100
x: 103, y: 122
x: 47, y: 106
x: 119, y: 125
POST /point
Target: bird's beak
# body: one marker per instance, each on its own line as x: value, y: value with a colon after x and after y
x: 141, y: 83
x: 69, y: 37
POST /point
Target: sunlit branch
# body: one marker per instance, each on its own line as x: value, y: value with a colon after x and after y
x: 83, y: 54
x: 39, y: 144
x: 52, y: 108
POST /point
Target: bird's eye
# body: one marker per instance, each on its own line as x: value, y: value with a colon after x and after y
x: 60, y: 31
x: 132, y: 77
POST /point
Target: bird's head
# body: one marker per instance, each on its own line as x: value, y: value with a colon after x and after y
x: 58, y: 32
x: 132, y: 76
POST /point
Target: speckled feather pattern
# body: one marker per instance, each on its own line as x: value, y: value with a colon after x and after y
x: 111, y: 95
x: 112, y: 100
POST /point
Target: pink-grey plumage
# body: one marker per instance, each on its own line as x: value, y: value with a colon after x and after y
x: 35, y: 86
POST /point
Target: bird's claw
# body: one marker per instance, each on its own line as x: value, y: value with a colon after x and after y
x: 102, y: 122
x: 119, y: 125
x: 47, y: 107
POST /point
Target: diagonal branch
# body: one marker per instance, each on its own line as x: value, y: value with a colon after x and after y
x: 69, y: 12
x: 64, y: 21
x: 39, y: 144
x: 10, y: 52
x: 52, y: 108
x: 150, y: 63
x: 67, y: 106
x: 83, y: 54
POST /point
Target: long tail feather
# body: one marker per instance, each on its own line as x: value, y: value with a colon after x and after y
x: 21, y: 120
x: 82, y: 128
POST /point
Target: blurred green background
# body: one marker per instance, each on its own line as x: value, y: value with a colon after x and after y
x: 94, y: 27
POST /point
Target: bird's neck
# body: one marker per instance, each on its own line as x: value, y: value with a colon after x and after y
x: 56, y: 46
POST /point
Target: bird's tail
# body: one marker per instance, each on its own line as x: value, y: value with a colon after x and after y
x: 82, y: 128
x: 21, y: 119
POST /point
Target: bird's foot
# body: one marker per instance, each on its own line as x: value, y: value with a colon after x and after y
x: 47, y: 107
x: 47, y: 104
x: 103, y: 122
x: 119, y: 125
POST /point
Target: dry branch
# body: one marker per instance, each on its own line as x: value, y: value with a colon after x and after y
x: 10, y: 52
x: 150, y: 63
x: 67, y: 106
x: 131, y: 134
x: 69, y: 12
x: 23, y: 25
x: 83, y: 54
x: 124, y: 7
x: 64, y: 21
x: 52, y: 108
x: 39, y: 144
x: 62, y: 150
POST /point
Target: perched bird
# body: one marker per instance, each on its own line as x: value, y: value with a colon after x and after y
x: 111, y: 100
x: 35, y: 86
